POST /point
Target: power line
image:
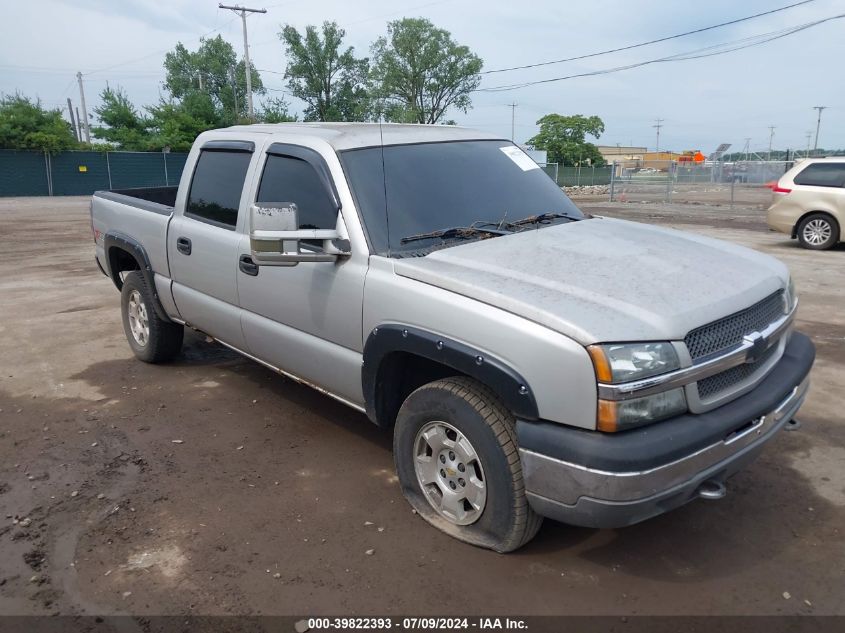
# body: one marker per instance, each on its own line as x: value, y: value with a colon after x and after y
x: 641, y: 44
x: 138, y: 59
x: 694, y: 54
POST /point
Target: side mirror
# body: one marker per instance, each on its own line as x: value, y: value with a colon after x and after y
x: 276, y: 239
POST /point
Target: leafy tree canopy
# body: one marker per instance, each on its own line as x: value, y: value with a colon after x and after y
x: 122, y: 125
x: 276, y: 111
x: 24, y: 124
x: 214, y: 70
x: 176, y: 124
x: 564, y: 138
x: 331, y: 80
x: 419, y: 72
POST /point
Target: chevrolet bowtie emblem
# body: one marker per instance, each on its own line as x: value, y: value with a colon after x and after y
x: 759, y: 345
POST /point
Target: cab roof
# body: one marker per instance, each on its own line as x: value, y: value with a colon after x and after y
x: 343, y: 136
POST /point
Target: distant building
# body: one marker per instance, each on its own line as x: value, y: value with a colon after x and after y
x: 629, y: 157
x: 621, y: 153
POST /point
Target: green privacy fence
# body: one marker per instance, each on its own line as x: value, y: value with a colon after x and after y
x: 30, y: 173
x: 578, y: 176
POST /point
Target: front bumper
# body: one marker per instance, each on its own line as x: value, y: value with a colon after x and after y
x: 612, y: 480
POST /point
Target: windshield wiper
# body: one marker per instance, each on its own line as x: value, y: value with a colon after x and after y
x: 542, y: 218
x: 455, y: 232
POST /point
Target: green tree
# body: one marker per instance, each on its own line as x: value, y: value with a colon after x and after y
x: 419, y: 72
x: 333, y: 82
x: 564, y: 138
x: 176, y: 124
x: 276, y: 111
x: 214, y: 70
x: 24, y: 124
x: 123, y: 125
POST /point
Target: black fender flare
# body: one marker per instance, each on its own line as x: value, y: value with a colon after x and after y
x: 114, y: 240
x: 505, y: 381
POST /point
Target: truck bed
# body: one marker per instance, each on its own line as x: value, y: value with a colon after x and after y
x: 142, y: 215
x: 158, y: 196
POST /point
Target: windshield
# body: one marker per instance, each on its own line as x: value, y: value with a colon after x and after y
x: 428, y: 187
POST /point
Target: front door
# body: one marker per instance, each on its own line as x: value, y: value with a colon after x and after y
x: 305, y: 319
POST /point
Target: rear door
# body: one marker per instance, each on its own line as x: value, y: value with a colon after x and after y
x: 203, y: 240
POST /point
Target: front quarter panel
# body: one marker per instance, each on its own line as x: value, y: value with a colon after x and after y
x: 557, y: 369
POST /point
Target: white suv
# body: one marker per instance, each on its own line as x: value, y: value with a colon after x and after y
x: 809, y: 202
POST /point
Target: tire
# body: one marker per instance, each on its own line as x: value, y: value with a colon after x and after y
x: 818, y: 232
x: 466, y: 414
x: 153, y: 340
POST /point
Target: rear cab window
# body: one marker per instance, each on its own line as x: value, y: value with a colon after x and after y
x: 216, y: 187
x: 822, y: 175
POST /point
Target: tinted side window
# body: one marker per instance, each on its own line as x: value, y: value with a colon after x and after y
x: 288, y: 179
x: 822, y: 175
x: 217, y: 185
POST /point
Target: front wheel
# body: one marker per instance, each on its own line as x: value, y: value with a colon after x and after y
x: 818, y: 231
x: 152, y: 339
x: 457, y: 460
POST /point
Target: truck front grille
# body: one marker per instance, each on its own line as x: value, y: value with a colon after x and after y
x: 728, y: 332
x: 718, y: 383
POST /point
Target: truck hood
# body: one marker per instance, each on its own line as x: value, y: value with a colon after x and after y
x: 605, y: 280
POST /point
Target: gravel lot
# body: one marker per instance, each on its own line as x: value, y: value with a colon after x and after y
x: 214, y: 486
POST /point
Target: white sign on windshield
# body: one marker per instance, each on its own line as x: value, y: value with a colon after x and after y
x: 519, y: 157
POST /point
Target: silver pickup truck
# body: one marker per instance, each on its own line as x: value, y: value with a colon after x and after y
x: 531, y: 360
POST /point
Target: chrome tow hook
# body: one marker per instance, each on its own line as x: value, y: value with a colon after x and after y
x: 712, y: 489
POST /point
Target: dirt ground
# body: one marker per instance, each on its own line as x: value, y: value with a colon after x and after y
x: 213, y: 486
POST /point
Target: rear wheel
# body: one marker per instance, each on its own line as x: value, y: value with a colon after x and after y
x: 152, y: 339
x: 818, y: 231
x: 457, y: 460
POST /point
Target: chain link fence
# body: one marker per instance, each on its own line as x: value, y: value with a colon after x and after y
x: 744, y: 183
x: 79, y: 173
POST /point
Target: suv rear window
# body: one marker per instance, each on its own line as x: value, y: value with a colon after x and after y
x: 822, y: 175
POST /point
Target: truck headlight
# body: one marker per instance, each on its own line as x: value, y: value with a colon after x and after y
x: 632, y: 361
x: 617, y: 363
x: 790, y: 298
x: 621, y: 415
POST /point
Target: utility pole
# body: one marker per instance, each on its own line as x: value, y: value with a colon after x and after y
x: 809, y: 136
x: 818, y: 125
x: 659, y: 124
x: 512, y: 106
x: 84, y: 122
x: 248, y: 68
x: 72, y: 120
x: 234, y: 90
x: 771, y: 136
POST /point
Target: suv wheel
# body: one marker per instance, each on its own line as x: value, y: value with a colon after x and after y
x: 152, y: 339
x: 456, y: 457
x: 818, y: 231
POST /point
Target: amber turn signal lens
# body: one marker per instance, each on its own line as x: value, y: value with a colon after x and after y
x: 608, y: 416
x: 601, y: 364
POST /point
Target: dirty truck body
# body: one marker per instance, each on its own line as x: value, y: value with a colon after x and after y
x: 531, y: 361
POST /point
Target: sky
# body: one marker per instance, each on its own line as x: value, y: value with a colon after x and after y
x: 703, y: 102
